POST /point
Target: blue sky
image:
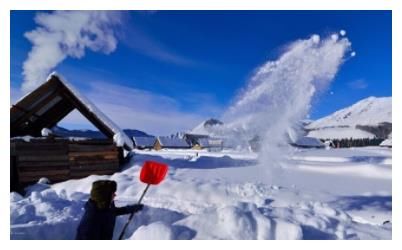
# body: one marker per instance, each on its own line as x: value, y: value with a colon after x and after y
x: 173, y: 69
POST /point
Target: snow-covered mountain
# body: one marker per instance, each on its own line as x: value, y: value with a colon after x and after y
x: 369, y: 111
x: 368, y: 118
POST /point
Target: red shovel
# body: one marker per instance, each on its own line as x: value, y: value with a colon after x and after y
x: 152, y: 173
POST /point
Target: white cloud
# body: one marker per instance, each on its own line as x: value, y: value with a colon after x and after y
x: 138, y: 109
x: 144, y: 44
x: 61, y: 34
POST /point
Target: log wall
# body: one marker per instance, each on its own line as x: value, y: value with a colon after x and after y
x: 61, y: 159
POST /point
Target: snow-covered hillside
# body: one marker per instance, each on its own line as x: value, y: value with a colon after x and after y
x: 369, y: 111
x: 349, y: 122
x: 318, y: 194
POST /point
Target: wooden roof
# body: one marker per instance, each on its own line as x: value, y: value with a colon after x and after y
x: 50, y: 103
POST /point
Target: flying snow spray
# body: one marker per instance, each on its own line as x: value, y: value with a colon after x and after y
x: 279, y: 94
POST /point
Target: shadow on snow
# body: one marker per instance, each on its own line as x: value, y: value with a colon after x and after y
x: 383, y: 203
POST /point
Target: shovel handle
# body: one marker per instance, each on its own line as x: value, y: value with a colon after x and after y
x: 132, y: 214
x: 143, y: 194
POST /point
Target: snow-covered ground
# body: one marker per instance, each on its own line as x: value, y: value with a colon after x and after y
x: 318, y: 194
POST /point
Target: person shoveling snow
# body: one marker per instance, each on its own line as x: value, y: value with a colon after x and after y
x: 100, y: 214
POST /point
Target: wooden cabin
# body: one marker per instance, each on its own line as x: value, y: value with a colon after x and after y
x: 34, y: 156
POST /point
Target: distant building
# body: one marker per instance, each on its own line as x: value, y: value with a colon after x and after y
x: 170, y: 142
x: 197, y: 141
x: 192, y: 139
x: 144, y: 142
x: 308, y: 142
x: 386, y: 143
x: 255, y: 143
x: 211, y: 144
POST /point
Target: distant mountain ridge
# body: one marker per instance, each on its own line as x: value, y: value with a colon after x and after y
x: 93, y: 134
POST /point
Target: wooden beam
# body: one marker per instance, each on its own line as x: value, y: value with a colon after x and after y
x: 50, y: 118
x: 32, y: 98
x: 31, y: 112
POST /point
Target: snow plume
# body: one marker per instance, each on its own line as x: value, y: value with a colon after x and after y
x: 279, y: 94
x: 61, y: 34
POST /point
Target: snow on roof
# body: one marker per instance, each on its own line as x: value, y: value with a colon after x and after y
x: 386, y: 143
x: 26, y: 138
x: 309, y: 142
x: 144, y: 141
x: 173, y: 142
x: 120, y: 138
x: 46, y: 132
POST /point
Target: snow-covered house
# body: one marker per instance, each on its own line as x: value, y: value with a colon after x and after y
x: 170, y: 142
x: 308, y: 142
x: 144, y: 142
x: 201, y: 141
x: 59, y: 158
x: 192, y: 139
x: 211, y: 144
x: 387, y: 142
x: 51, y: 102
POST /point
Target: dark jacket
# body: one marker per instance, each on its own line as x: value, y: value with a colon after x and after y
x: 98, y: 224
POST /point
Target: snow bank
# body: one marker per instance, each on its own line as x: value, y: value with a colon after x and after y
x: 154, y: 231
x: 241, y: 222
x: 44, y: 215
